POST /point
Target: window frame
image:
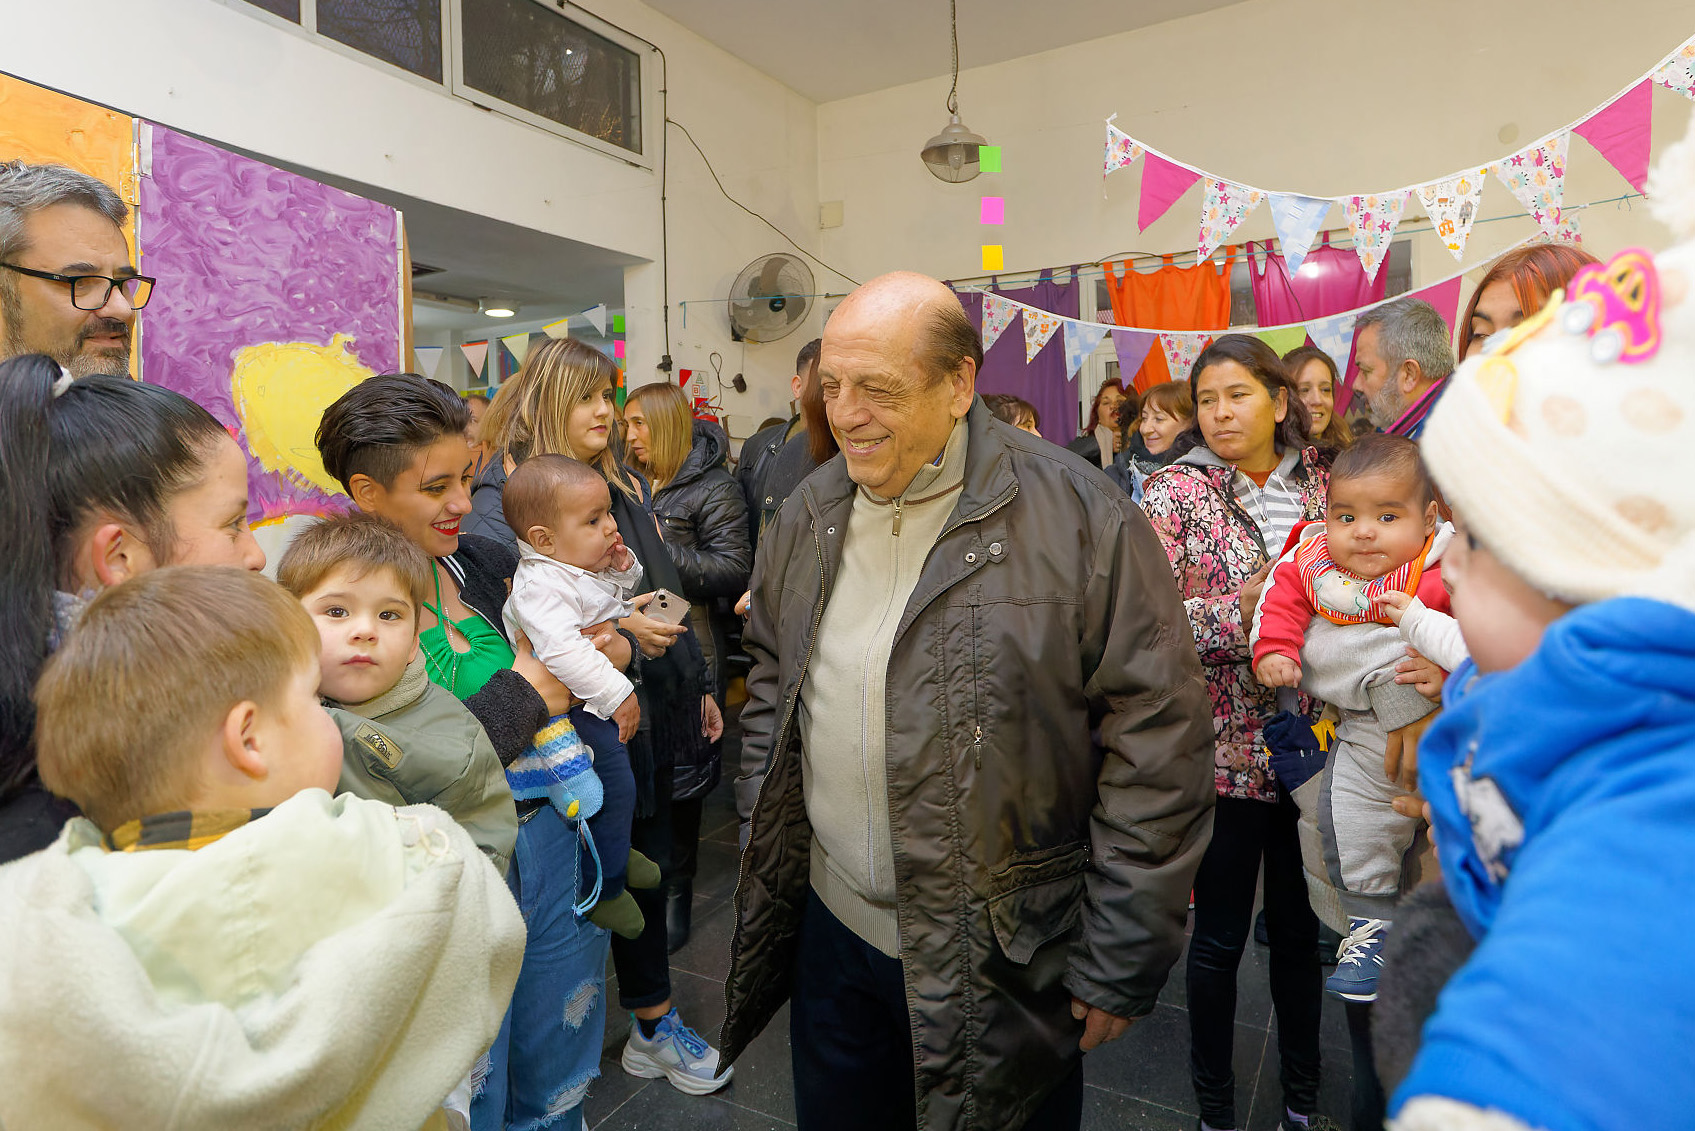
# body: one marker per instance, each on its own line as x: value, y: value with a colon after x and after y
x: 452, y: 81
x: 647, y: 83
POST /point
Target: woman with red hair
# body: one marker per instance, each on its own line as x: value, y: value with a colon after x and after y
x: 1516, y: 286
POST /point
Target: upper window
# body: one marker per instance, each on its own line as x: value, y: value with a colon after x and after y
x: 406, y: 33
x: 577, y: 77
x: 535, y: 60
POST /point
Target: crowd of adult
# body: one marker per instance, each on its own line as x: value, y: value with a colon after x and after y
x: 982, y: 779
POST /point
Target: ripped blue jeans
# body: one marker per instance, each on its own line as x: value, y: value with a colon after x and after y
x: 548, y: 1050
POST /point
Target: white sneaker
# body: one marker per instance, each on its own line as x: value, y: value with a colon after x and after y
x: 677, y: 1053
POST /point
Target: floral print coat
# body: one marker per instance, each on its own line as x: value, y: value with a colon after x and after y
x: 1214, y: 548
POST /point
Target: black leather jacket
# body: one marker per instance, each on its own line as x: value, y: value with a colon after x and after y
x: 1032, y: 864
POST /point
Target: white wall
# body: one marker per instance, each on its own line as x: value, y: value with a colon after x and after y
x: 1277, y: 93
x: 217, y: 70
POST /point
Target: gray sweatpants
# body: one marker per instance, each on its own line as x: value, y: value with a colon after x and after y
x: 1365, y: 840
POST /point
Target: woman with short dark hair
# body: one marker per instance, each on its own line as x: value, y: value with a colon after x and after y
x: 104, y: 479
x: 1223, y: 512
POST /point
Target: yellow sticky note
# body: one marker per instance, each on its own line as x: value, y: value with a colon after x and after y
x: 994, y: 257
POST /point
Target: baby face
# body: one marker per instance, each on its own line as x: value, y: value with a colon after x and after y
x: 1377, y: 523
x: 368, y: 629
x: 584, y: 533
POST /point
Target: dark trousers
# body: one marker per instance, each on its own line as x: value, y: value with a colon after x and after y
x: 685, y: 842
x: 1369, y: 1104
x: 851, y: 1043
x: 644, y: 963
x: 610, y: 826
x: 1243, y: 834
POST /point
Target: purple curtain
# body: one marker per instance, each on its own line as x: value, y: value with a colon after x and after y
x: 1042, y: 382
x: 1330, y: 281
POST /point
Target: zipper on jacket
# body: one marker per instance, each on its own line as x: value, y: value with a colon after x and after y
x: 977, y: 746
x: 896, y: 531
x: 780, y: 740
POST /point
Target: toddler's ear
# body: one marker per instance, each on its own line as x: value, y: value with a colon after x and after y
x: 1431, y: 514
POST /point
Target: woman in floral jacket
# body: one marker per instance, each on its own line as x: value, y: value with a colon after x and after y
x: 1223, y: 512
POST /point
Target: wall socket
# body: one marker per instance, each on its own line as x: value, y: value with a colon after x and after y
x: 830, y: 214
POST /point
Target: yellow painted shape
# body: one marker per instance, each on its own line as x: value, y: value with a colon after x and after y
x: 281, y: 390
x: 994, y: 257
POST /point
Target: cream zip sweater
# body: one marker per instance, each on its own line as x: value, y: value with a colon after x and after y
x: 843, y: 716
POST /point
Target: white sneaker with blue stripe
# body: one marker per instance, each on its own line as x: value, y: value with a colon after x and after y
x: 677, y: 1053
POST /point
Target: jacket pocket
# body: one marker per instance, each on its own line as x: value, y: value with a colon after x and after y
x: 1036, y: 898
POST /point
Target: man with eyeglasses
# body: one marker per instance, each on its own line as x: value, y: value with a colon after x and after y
x: 68, y: 286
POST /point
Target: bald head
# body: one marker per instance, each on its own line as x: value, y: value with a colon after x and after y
x: 898, y: 366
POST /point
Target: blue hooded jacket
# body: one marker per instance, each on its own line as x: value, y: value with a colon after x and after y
x: 1563, y: 797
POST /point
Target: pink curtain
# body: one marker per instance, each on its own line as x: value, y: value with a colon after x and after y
x: 1330, y: 281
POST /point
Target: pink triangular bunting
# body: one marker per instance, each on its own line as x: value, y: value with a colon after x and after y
x: 476, y: 353
x: 1162, y: 183
x: 1623, y: 132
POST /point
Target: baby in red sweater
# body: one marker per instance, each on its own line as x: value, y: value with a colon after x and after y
x: 1340, y: 608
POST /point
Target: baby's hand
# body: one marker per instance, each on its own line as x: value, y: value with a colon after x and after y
x: 1278, y: 671
x: 622, y: 556
x: 1393, y: 605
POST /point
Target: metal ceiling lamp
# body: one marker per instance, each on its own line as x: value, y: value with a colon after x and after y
x: 952, y: 154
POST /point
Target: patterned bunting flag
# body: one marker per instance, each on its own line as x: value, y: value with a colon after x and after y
x: 1162, y: 183
x: 1039, y: 327
x: 1081, y: 338
x: 1224, y: 207
x: 1537, y: 177
x: 1181, y: 350
x: 997, y: 315
x: 1297, y: 220
x: 1678, y: 73
x: 1132, y: 348
x: 1335, y: 336
x: 1452, y: 205
x: 1121, y: 149
x: 1623, y: 132
x: 1372, y: 221
x: 429, y: 359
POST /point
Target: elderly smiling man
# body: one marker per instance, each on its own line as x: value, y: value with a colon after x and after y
x: 979, y: 750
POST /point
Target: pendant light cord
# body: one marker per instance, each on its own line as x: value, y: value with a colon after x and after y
x: 953, y: 23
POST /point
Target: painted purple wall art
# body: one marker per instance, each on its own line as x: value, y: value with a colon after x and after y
x: 276, y: 295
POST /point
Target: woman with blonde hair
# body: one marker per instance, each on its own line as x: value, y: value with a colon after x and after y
x: 704, y: 519
x: 561, y: 403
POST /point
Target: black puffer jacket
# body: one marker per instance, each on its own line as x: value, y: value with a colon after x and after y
x: 704, y: 518
x: 1031, y: 864
x: 773, y: 464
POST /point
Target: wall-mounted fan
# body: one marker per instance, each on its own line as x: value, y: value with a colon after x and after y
x: 770, y: 299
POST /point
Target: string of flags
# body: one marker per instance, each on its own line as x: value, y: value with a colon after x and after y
x: 515, y: 348
x: 1334, y: 333
x: 1620, y: 129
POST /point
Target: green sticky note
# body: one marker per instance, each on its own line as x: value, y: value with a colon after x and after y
x: 617, y: 323
x: 989, y: 158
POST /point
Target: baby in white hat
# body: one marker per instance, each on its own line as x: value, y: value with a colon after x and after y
x: 1561, y: 776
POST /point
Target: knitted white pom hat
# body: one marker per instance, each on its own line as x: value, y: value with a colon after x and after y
x: 1568, y: 447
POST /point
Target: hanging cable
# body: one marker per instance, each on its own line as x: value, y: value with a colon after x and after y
x: 953, y: 25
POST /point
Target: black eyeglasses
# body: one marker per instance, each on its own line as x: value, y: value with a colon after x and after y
x: 93, y: 292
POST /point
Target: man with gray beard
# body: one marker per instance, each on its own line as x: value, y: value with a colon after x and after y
x: 1404, y: 354
x: 68, y: 286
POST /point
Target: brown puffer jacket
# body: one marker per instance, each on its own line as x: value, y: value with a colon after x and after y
x: 1031, y: 863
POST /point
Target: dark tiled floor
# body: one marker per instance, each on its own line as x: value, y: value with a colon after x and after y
x: 1139, y: 1083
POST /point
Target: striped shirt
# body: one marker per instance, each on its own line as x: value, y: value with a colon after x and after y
x: 1276, y: 507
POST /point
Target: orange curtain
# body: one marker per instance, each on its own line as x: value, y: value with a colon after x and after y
x: 1171, y: 298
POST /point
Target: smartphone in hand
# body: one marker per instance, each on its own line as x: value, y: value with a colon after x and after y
x: 668, y: 607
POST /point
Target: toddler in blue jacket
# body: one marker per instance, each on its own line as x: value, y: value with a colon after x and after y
x: 1561, y: 776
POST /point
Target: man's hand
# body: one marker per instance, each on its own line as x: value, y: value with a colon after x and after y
x: 628, y: 716
x: 1099, y: 1026
x: 1249, y: 598
x: 653, y: 637
x: 609, y: 642
x: 711, y: 719
x: 1278, y: 670
x: 1394, y: 605
x: 1400, y: 754
x: 1422, y: 673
